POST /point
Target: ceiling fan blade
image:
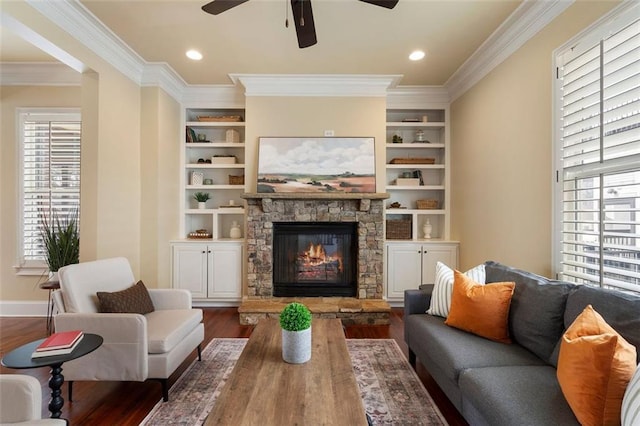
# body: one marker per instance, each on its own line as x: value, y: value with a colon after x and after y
x: 302, y: 14
x: 389, y: 4
x: 218, y: 6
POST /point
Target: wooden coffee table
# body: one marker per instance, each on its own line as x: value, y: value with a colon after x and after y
x: 265, y: 390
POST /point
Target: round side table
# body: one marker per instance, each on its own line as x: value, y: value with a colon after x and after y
x: 20, y: 358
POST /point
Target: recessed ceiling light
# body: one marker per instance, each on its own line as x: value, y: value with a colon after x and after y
x: 194, y: 54
x: 416, y: 55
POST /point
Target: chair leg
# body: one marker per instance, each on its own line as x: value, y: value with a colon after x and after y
x: 165, y: 389
x: 199, y: 353
x: 70, y: 389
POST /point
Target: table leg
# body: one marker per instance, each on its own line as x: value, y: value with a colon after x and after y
x: 50, y: 315
x: 55, y: 383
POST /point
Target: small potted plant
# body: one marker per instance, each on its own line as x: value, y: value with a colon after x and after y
x: 295, y: 320
x: 202, y: 198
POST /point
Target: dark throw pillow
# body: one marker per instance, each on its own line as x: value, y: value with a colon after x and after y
x: 133, y: 300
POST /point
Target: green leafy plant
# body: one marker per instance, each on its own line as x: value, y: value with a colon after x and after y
x: 201, y: 196
x: 61, y: 238
x: 295, y: 317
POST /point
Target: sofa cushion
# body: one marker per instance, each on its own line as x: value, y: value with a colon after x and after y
x: 480, y: 309
x: 631, y: 402
x: 620, y: 310
x: 440, y: 303
x: 594, y: 369
x: 456, y: 350
x: 514, y: 395
x: 537, y: 308
x: 166, y: 328
x: 133, y: 300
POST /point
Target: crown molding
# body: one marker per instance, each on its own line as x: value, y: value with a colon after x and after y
x: 161, y: 75
x: 213, y: 96
x: 80, y: 23
x: 38, y: 74
x: 525, y: 22
x: 316, y: 84
x: 420, y: 97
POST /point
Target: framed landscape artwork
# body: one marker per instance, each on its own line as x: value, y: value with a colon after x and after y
x: 322, y: 164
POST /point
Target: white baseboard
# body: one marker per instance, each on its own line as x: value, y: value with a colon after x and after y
x: 23, y: 309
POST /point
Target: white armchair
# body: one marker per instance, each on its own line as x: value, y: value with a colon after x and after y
x: 136, y: 347
x: 21, y: 402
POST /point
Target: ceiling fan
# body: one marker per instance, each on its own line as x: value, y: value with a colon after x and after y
x: 302, y: 15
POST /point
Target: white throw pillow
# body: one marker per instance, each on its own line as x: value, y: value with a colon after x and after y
x: 443, y: 287
x: 630, y: 414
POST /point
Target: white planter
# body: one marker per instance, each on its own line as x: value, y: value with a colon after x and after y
x: 202, y: 205
x: 296, y: 346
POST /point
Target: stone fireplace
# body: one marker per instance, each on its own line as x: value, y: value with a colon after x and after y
x: 363, y: 213
x: 268, y: 211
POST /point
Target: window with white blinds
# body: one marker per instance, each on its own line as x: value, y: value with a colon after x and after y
x: 597, y: 218
x: 50, y: 178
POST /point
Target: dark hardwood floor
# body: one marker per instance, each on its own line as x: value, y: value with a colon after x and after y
x: 127, y: 403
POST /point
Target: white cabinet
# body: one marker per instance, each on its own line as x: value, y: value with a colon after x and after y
x: 213, y: 163
x: 417, y: 170
x: 410, y: 264
x: 210, y: 270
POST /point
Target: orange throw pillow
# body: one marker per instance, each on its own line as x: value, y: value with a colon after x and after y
x: 594, y: 368
x: 480, y: 309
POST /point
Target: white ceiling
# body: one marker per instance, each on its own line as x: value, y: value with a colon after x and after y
x: 353, y: 37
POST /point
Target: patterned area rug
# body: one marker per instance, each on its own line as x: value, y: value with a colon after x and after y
x: 391, y: 391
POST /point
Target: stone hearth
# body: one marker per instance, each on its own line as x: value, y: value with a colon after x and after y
x: 348, y: 309
x: 365, y: 209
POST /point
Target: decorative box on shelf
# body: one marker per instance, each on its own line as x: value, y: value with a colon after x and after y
x: 232, y: 135
x: 408, y: 181
x: 197, y: 178
x: 429, y: 204
x: 200, y: 233
x: 398, y: 229
x: 236, y: 180
x: 222, y: 118
x: 223, y: 159
x: 423, y: 160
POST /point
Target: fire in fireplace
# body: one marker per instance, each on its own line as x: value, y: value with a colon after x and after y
x: 315, y: 259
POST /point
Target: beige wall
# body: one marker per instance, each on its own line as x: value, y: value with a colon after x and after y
x: 502, y: 152
x: 160, y: 191
x: 311, y: 116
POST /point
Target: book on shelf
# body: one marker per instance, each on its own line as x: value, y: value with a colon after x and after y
x: 59, y: 344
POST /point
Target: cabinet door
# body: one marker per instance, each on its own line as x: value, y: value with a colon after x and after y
x: 225, y: 271
x: 403, y: 269
x: 190, y: 268
x: 433, y: 253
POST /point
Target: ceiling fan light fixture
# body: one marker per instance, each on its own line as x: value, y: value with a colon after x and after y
x: 194, y: 55
x: 416, y: 55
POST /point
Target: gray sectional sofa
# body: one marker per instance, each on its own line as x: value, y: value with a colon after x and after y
x: 495, y: 384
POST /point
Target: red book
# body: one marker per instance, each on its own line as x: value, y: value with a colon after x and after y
x: 62, y: 340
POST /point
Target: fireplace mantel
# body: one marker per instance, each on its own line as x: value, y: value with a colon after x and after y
x: 364, y: 197
x: 316, y: 195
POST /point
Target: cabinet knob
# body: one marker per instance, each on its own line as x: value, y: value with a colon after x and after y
x: 203, y: 252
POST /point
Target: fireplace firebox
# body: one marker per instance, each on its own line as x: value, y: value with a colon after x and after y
x: 313, y: 259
